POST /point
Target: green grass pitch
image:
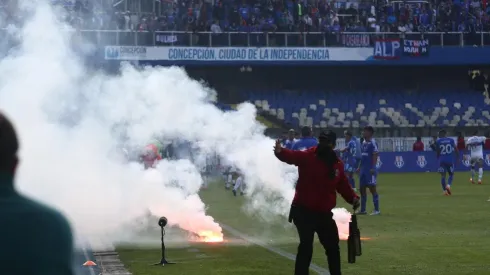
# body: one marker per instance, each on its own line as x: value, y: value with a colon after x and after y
x: 419, y: 232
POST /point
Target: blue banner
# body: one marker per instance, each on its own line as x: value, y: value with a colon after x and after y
x: 404, y: 162
x: 416, y: 47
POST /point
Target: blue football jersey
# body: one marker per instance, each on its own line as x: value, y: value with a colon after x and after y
x: 288, y: 144
x: 446, y: 148
x: 358, y: 147
x: 349, y: 155
x: 369, y: 148
x: 304, y: 143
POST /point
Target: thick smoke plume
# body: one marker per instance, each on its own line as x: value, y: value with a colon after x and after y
x: 66, y: 116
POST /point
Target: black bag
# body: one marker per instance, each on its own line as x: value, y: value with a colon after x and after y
x: 354, y: 248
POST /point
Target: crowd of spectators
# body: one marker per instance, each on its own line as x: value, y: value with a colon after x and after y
x: 279, y: 15
x: 322, y: 16
x: 313, y: 15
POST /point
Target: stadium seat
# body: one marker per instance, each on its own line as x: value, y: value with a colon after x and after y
x: 380, y: 108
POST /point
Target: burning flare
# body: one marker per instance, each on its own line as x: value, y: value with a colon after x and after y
x: 210, y: 237
x: 342, y: 218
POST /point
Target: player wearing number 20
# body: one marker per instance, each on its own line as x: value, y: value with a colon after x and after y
x: 447, y: 153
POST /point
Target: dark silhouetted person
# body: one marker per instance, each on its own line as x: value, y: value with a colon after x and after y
x: 461, y: 144
x: 418, y: 146
x: 35, y: 240
x: 321, y: 176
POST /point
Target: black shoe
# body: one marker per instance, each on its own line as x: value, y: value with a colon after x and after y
x: 241, y: 193
x: 234, y: 193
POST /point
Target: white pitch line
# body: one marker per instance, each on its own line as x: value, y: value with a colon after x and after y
x: 278, y: 251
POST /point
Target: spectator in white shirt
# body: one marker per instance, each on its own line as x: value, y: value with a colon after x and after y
x: 215, y: 28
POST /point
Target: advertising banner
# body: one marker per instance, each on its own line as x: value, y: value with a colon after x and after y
x: 356, y: 40
x: 416, y: 47
x: 235, y: 54
x: 384, y: 52
x: 404, y: 162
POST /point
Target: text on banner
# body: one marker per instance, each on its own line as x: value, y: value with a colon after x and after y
x: 387, y: 49
x: 416, y: 47
x: 356, y: 40
x: 248, y: 54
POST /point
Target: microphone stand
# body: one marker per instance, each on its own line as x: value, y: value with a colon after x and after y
x: 163, y: 261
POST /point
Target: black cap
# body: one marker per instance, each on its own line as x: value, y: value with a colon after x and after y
x: 9, y: 145
x: 328, y: 136
x: 369, y: 128
x: 306, y: 131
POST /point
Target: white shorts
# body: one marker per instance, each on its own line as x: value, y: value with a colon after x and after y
x: 476, y: 159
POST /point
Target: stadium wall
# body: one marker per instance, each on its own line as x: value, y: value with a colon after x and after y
x: 405, y: 162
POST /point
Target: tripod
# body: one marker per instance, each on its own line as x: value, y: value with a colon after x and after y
x: 163, y: 261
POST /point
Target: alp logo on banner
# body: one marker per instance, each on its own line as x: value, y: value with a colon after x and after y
x: 413, y: 47
x: 356, y: 40
x: 466, y: 160
x: 421, y: 161
x: 399, y: 161
x: 387, y: 49
x: 487, y: 159
x: 378, y: 163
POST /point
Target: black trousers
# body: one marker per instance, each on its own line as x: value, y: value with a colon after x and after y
x: 307, y: 223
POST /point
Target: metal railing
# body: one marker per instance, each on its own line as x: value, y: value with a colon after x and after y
x: 276, y: 39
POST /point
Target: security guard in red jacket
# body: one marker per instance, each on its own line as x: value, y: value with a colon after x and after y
x: 321, y: 176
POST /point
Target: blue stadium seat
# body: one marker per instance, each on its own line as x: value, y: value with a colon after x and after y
x: 377, y: 108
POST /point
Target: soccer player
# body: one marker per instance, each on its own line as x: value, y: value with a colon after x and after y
x: 475, y: 146
x: 239, y: 184
x: 306, y: 141
x: 349, y: 157
x: 447, y: 152
x: 151, y: 155
x: 229, y: 179
x: 288, y: 143
x: 358, y: 150
x: 367, y: 170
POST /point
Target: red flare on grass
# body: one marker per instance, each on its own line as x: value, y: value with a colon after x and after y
x: 210, y: 237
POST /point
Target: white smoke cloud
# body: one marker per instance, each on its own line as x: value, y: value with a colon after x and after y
x: 68, y: 161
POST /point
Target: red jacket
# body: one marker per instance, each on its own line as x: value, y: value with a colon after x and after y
x: 316, y: 190
x: 418, y: 146
x: 461, y: 145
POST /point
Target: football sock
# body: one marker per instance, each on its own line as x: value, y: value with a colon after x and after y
x: 376, y: 202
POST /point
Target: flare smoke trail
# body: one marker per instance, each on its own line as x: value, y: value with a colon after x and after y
x: 65, y: 114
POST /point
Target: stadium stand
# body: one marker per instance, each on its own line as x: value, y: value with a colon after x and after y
x: 278, y: 15
x: 377, y: 108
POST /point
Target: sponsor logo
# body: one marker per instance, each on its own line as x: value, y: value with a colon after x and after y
x: 399, y: 161
x: 487, y: 159
x: 125, y: 52
x: 421, y: 161
x: 466, y: 160
x: 112, y: 52
x: 378, y: 163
